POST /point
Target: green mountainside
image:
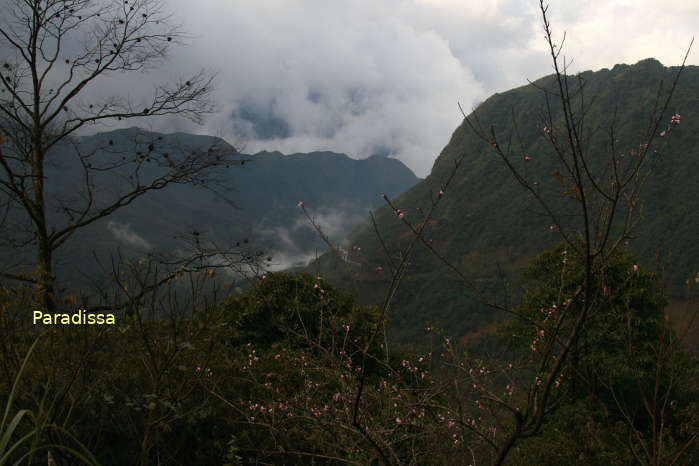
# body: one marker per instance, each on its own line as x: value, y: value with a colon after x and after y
x: 252, y: 203
x: 489, y: 227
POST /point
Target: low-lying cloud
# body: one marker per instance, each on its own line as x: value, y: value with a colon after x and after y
x: 301, y: 243
x: 123, y: 233
x: 333, y: 222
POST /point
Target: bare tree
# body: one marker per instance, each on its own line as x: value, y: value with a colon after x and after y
x: 602, y: 198
x: 51, y: 52
x: 605, y: 199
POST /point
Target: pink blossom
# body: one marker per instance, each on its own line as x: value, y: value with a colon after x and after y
x: 299, y: 204
x: 398, y: 420
x: 527, y: 158
x: 635, y: 268
x: 662, y: 133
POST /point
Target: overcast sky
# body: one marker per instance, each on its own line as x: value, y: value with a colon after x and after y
x: 384, y: 76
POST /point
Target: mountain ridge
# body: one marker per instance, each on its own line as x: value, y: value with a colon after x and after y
x: 487, y: 225
x: 255, y: 201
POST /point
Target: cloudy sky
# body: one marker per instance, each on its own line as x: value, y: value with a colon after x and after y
x: 384, y: 76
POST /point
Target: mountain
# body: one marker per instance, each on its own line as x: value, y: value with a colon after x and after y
x: 488, y: 226
x: 253, y: 202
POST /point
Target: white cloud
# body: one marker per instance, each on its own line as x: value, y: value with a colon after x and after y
x: 123, y: 233
x: 287, y: 250
x: 624, y: 31
x: 357, y: 76
x: 283, y: 260
x: 335, y: 223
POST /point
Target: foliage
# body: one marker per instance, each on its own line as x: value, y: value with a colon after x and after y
x: 301, y: 368
x: 487, y: 212
x: 297, y: 310
x: 628, y: 297
x: 34, y: 440
x: 296, y: 371
x: 626, y: 362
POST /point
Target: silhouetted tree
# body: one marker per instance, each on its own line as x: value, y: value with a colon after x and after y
x: 52, y: 51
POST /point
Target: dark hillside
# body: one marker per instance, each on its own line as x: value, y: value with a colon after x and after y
x: 487, y: 224
x: 254, y: 203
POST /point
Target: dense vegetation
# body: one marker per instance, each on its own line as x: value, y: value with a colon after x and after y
x: 582, y: 361
x: 490, y: 228
x: 272, y: 376
x: 295, y: 371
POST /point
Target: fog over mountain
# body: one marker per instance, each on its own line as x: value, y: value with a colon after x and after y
x: 365, y: 77
x: 253, y: 204
x: 362, y: 232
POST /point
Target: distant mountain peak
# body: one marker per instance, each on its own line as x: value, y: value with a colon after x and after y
x: 257, y: 201
x: 649, y: 61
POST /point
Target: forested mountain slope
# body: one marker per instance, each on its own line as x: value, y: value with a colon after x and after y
x: 489, y: 227
x: 251, y: 204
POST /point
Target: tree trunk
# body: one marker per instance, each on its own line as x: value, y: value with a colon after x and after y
x: 47, y: 297
x: 44, y: 261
